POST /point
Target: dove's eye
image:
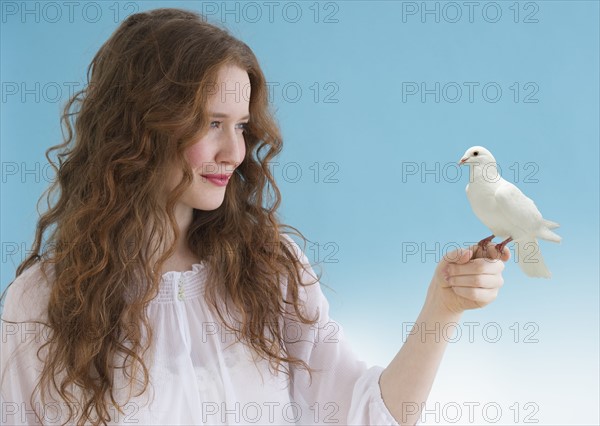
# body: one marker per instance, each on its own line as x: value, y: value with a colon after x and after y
x: 476, y: 153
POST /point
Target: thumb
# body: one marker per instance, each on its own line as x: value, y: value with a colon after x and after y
x: 465, y: 256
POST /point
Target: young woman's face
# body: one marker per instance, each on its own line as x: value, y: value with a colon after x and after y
x: 216, y: 155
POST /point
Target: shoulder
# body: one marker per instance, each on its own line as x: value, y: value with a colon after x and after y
x: 298, y: 253
x: 309, y: 291
x: 294, y: 247
x: 28, y: 295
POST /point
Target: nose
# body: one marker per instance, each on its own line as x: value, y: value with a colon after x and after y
x: 232, y: 148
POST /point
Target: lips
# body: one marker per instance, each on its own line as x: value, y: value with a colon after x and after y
x: 217, y: 179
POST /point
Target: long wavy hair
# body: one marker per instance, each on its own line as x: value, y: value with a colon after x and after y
x: 143, y: 105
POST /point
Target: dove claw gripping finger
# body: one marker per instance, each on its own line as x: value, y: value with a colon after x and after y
x: 507, y: 212
x: 483, y: 243
x: 500, y: 246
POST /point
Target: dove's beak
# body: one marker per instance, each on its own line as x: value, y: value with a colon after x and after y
x: 462, y: 161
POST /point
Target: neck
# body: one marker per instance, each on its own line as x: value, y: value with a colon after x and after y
x: 182, y: 255
x: 487, y: 173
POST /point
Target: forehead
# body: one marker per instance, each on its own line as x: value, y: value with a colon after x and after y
x: 231, y: 91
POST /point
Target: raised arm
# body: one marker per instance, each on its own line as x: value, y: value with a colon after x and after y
x: 474, y: 278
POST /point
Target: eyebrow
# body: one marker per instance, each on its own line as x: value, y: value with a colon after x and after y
x: 223, y: 115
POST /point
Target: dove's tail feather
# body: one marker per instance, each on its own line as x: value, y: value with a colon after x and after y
x: 549, y: 224
x: 529, y: 257
x: 548, y: 235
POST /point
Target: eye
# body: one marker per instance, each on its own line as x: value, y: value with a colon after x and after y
x: 475, y: 153
x: 243, y: 126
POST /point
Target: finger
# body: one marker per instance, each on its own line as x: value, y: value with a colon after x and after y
x: 490, y: 252
x: 476, y: 266
x: 482, y: 296
x: 476, y: 281
x: 459, y: 256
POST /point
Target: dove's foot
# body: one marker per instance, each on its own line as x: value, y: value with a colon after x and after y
x: 500, y: 247
x: 483, y: 243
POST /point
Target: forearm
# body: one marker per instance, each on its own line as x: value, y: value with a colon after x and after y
x: 405, y: 384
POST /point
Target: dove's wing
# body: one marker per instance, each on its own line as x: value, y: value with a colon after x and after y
x: 518, y: 209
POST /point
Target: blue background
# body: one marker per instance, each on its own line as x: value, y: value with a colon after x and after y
x: 377, y: 229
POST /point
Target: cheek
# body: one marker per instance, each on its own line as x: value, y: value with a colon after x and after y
x: 243, y: 150
x: 196, y: 155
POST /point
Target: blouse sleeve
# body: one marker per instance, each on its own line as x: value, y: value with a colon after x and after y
x: 25, y: 303
x: 343, y: 390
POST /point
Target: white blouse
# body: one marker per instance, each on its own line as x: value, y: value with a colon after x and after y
x: 200, y: 374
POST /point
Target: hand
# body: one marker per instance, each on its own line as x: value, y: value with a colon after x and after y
x: 467, y: 278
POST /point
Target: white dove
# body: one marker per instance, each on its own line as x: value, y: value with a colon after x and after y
x: 507, y: 212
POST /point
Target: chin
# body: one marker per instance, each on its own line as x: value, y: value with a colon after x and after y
x: 207, y: 209
x: 208, y: 205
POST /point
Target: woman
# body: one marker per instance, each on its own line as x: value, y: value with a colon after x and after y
x: 167, y: 291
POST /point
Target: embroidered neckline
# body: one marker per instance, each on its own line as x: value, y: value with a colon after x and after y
x: 171, y: 275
